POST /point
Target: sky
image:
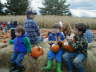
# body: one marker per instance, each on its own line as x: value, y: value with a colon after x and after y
x: 79, y: 8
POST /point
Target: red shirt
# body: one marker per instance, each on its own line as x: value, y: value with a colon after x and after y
x: 3, y: 25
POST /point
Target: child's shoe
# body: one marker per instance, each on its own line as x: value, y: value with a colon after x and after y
x: 49, y: 65
x: 58, y: 67
x: 12, y: 67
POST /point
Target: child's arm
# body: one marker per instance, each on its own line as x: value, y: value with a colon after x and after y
x: 11, y: 41
x: 50, y: 39
x: 62, y: 36
x: 28, y: 44
x: 80, y: 45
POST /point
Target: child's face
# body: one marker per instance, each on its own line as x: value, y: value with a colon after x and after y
x: 32, y: 16
x: 18, y: 34
x: 77, y: 32
x: 55, y: 30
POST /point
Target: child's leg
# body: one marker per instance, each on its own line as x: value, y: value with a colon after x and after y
x: 51, y: 56
x: 12, y: 62
x: 13, y: 58
x: 68, y: 60
x: 59, y: 60
x: 78, y: 62
x: 19, y: 58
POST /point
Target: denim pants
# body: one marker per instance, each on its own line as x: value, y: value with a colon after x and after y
x: 17, y: 58
x: 57, y: 56
x: 74, y: 59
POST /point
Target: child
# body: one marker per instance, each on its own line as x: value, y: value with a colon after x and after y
x: 4, y: 26
x: 53, y: 36
x: 12, y: 26
x: 77, y: 57
x: 22, y: 46
x: 32, y: 28
x: 13, y: 35
x: 66, y: 30
x: 89, y: 35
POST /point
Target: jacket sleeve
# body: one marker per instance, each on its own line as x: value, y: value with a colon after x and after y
x: 27, y: 44
x: 11, y: 41
x: 62, y: 36
x: 50, y: 39
x: 80, y: 45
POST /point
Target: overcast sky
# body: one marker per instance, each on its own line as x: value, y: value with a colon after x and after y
x: 78, y: 7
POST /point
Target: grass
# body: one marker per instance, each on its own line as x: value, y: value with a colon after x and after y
x: 47, y: 21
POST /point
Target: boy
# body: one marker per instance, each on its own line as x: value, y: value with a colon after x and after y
x: 22, y: 46
x: 77, y: 57
x: 89, y: 35
x: 54, y: 36
x: 32, y: 28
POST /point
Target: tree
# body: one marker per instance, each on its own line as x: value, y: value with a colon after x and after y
x: 1, y: 7
x: 55, y: 7
x: 17, y: 7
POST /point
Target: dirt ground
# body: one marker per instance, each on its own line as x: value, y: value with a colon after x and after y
x: 4, y: 70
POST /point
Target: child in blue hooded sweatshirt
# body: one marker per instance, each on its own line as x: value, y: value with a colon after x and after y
x: 22, y: 46
x: 55, y: 36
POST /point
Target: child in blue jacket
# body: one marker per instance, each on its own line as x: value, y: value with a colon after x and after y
x: 22, y: 46
x: 53, y: 36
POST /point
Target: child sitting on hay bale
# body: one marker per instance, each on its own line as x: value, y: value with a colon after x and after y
x: 79, y: 55
x: 54, y: 38
x: 22, y: 46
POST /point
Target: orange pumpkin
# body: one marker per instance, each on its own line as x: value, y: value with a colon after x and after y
x: 55, y: 47
x: 68, y: 47
x: 37, y: 52
x: 4, y: 41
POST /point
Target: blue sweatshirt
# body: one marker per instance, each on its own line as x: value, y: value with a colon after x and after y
x: 56, y: 36
x: 21, y: 44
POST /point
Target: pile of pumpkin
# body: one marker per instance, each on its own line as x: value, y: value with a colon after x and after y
x: 4, y: 37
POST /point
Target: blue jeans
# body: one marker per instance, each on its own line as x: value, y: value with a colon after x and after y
x: 74, y: 59
x: 58, y: 55
x: 17, y: 58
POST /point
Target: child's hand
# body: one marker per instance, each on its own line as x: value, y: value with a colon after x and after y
x: 66, y: 43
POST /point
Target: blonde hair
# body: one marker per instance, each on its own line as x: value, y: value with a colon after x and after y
x: 66, y: 29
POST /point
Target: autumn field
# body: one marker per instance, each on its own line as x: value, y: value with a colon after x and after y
x: 46, y: 22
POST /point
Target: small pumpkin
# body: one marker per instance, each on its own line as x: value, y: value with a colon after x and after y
x: 37, y: 52
x: 55, y: 47
x: 68, y: 47
x: 4, y: 41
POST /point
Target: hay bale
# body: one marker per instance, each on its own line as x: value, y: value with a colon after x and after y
x: 91, y: 61
x: 5, y: 54
x: 3, y: 45
x: 33, y: 65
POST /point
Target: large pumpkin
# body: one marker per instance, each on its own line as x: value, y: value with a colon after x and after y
x: 55, y: 47
x: 36, y: 52
x: 68, y: 47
